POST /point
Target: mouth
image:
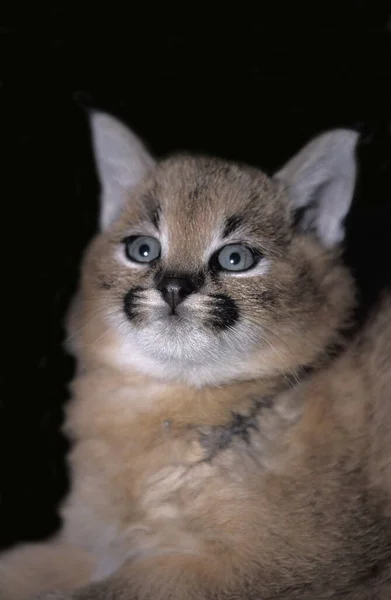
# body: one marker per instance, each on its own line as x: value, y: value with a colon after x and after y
x: 139, y: 308
x: 215, y: 311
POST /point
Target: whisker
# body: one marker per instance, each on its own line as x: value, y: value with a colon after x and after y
x: 99, y: 312
x: 102, y: 335
x: 294, y: 374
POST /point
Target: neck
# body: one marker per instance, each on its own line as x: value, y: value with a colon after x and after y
x: 125, y: 397
x: 125, y: 394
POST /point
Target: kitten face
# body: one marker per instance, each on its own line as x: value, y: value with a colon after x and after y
x: 203, y: 278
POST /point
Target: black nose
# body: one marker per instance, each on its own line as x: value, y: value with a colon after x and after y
x: 175, y: 289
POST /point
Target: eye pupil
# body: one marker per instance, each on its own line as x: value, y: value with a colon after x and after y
x: 144, y: 250
x: 234, y: 259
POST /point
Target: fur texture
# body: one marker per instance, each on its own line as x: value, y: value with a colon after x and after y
x: 230, y: 438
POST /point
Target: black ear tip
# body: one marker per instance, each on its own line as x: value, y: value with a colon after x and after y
x: 84, y: 101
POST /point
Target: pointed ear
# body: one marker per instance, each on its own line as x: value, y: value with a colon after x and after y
x: 320, y: 182
x: 121, y: 160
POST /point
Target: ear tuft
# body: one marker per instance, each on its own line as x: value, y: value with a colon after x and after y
x: 122, y: 161
x: 320, y: 182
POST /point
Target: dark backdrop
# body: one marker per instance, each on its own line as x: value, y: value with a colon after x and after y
x: 243, y: 84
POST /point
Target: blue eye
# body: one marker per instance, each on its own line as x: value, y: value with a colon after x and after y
x: 142, y: 249
x: 235, y: 257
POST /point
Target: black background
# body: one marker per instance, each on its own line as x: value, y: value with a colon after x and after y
x: 241, y: 83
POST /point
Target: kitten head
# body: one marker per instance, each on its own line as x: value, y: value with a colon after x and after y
x: 207, y: 271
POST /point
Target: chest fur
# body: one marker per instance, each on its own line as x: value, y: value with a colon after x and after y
x: 144, y: 476
x: 147, y: 480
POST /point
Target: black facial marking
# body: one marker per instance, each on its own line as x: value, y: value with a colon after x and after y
x: 254, y: 198
x: 224, y: 313
x: 130, y: 303
x: 198, y: 279
x: 155, y: 216
x: 231, y: 224
x: 196, y: 192
x: 152, y: 208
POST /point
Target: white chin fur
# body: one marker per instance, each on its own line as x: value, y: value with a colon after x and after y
x: 183, y: 352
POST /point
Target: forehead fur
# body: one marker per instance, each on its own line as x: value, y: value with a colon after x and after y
x: 198, y: 198
x: 208, y: 185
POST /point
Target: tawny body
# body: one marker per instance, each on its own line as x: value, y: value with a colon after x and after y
x: 294, y: 484
x: 230, y: 441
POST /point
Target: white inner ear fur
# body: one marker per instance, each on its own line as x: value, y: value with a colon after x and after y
x: 122, y: 161
x: 321, y: 180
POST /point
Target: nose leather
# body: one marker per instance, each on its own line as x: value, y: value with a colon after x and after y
x: 175, y: 289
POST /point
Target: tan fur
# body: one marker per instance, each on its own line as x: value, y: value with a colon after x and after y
x: 173, y: 498
x: 36, y: 568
